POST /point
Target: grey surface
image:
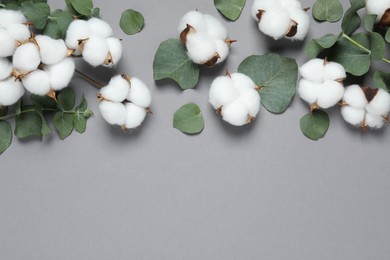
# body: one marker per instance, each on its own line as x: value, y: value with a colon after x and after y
x: 259, y: 192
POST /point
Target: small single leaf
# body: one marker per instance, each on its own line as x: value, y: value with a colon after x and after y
x: 66, y: 100
x: 316, y: 46
x: 378, y: 46
x: 369, y: 22
x: 382, y: 80
x: 189, y: 119
x: 171, y: 61
x: 131, y: 22
x: 83, y: 104
x: 277, y: 77
x: 231, y: 9
x: 83, y: 7
x: 45, y: 130
x: 354, y: 59
x: 80, y: 123
x: 5, y: 136
x: 63, y: 122
x: 37, y: 13
x: 95, y: 12
x: 351, y: 20
x: 71, y: 8
x: 28, y: 124
x: 315, y: 125
x: 58, y: 24
x: 327, y: 10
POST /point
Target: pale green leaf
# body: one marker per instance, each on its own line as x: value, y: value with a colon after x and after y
x: 328, y: 10
x: 315, y: 124
x: 131, y: 22
x: 63, y: 122
x: 231, y: 9
x: 188, y: 119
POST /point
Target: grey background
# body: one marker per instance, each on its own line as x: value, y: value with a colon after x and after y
x: 263, y: 191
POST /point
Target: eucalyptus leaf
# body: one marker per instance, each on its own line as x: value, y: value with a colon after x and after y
x: 315, y: 124
x: 83, y: 7
x: 5, y: 136
x: 28, y: 124
x: 95, y: 12
x: 316, y: 46
x: 43, y: 101
x: 45, y: 130
x: 131, y: 22
x: 327, y: 10
x: 64, y: 124
x: 66, y: 99
x: 378, y: 46
x: 354, y: 59
x: 189, y: 119
x: 277, y: 77
x: 382, y: 80
x: 83, y: 104
x: 58, y: 24
x: 171, y: 61
x: 351, y: 20
x: 369, y: 22
x: 231, y: 9
x: 80, y: 122
x: 37, y: 13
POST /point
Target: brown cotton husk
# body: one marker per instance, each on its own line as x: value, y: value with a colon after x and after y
x: 127, y: 77
x: 385, y: 20
x: 293, y: 29
x: 52, y: 94
x: 370, y: 93
x: 185, y: 32
x: 211, y: 62
x: 260, y: 14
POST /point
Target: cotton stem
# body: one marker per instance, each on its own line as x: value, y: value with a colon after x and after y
x: 356, y: 43
x: 93, y: 82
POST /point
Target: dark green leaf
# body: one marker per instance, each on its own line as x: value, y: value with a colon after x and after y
x: 378, y: 46
x: 171, y: 61
x: 231, y: 9
x: 327, y: 10
x: 3, y: 111
x: 382, y: 80
x: 277, y: 77
x: 58, y: 24
x: 37, y: 13
x: 315, y: 125
x: 83, y: 7
x: 71, y: 8
x: 63, y: 122
x: 66, y: 99
x: 351, y: 20
x: 316, y: 46
x: 28, y: 124
x: 189, y: 119
x: 45, y: 130
x: 354, y: 59
x: 43, y: 101
x: 131, y: 22
x: 5, y: 136
x: 80, y: 123
x: 83, y: 104
x: 369, y: 22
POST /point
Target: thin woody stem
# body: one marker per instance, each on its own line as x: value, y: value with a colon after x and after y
x: 93, y: 82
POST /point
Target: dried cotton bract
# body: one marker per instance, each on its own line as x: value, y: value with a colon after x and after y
x: 205, y: 38
x: 281, y: 18
x: 381, y: 8
x: 235, y: 96
x: 365, y: 107
x: 125, y: 101
x: 321, y: 83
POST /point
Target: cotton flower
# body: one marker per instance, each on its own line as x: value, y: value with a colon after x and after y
x: 11, y: 90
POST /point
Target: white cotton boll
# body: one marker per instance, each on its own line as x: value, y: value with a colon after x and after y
x: 222, y: 92
x: 77, y: 30
x: 19, y: 32
x: 354, y: 116
x: 115, y: 49
x: 313, y: 70
x: 11, y: 17
x: 5, y: 68
x: 251, y: 99
x: 113, y: 113
x: 263, y: 5
x: 195, y: 19
x: 52, y: 51
x: 60, y: 74
x: 135, y: 115
x: 222, y: 50
x: 242, y: 82
x: 275, y: 22
x: 334, y: 71
x: 26, y: 58
x: 117, y: 89
x: 380, y: 104
x: 7, y: 44
x: 235, y: 113
x: 95, y: 50
x: 354, y: 96
x: 200, y: 47
x: 374, y: 121
x: 11, y: 91
x: 331, y: 92
x: 377, y: 7
x: 139, y: 93
x: 303, y: 20
x: 215, y: 28
x: 290, y: 4
x: 100, y: 27
x: 37, y: 82
x: 309, y: 91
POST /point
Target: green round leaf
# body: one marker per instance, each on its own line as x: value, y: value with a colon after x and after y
x: 58, y: 24
x: 351, y: 20
x: 131, y: 22
x: 5, y: 136
x: 328, y: 10
x: 171, y: 61
x: 315, y: 125
x: 66, y: 100
x: 382, y: 80
x: 231, y: 9
x: 277, y: 77
x: 316, y: 46
x: 64, y: 124
x: 37, y: 13
x: 378, y: 46
x: 83, y: 7
x: 28, y: 124
x: 189, y: 119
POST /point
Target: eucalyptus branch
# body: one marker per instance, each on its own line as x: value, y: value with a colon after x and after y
x: 6, y: 117
x: 356, y: 43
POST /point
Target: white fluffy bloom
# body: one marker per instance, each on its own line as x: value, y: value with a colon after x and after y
x: 281, y: 18
x: 77, y: 30
x: 194, y: 19
x: 52, y: 51
x: 37, y: 82
x: 11, y: 17
x: 115, y: 49
x: 5, y: 68
x: 26, y: 58
x: 19, y: 32
x: 215, y: 28
x: 378, y: 7
x: 139, y: 93
x: 11, y: 91
x: 95, y: 50
x: 116, y: 90
x: 100, y: 27
x: 320, y: 84
x: 200, y: 47
x: 113, y: 113
x: 7, y: 43
x: 235, y: 96
x: 135, y: 115
x: 60, y: 74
